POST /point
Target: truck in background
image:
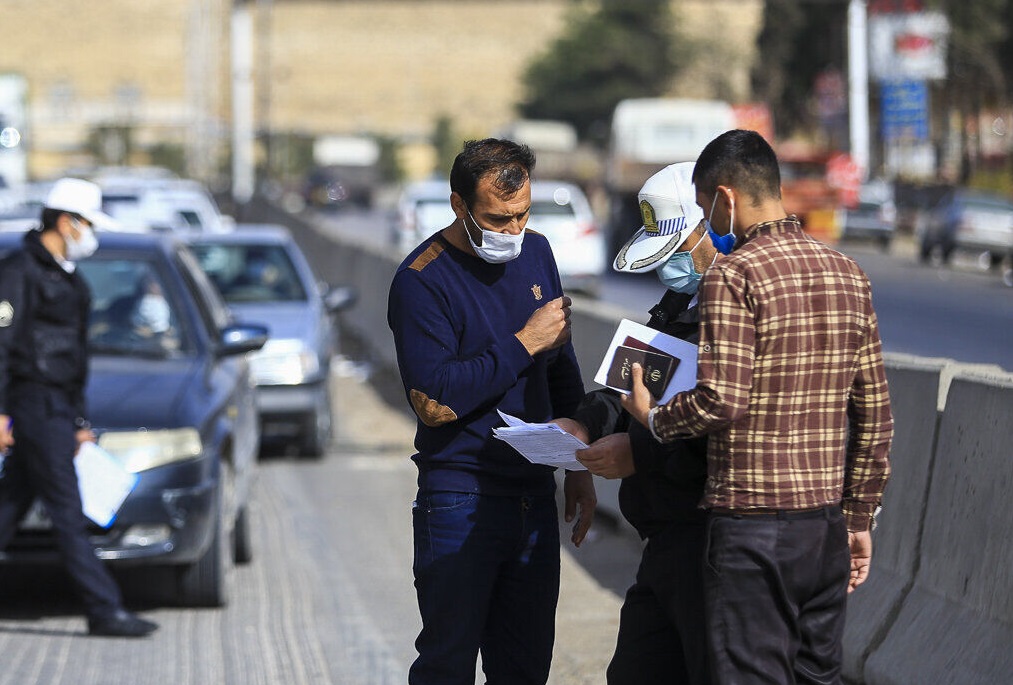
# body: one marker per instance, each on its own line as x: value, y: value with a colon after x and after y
x: 647, y: 135
x: 346, y: 171
x: 560, y: 155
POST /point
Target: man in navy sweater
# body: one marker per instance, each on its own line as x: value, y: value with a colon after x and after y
x: 480, y: 324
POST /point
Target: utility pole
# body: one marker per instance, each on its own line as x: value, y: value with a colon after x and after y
x: 858, y: 85
x: 242, y: 104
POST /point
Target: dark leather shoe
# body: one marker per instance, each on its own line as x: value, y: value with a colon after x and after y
x: 121, y: 624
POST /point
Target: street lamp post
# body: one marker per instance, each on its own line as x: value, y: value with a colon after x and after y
x: 242, y: 104
x: 858, y: 85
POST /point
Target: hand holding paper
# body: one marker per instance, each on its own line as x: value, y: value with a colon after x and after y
x: 541, y: 443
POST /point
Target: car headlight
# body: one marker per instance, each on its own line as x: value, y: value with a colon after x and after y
x: 284, y: 362
x: 144, y: 449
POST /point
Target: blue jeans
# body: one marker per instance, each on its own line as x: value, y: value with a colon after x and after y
x: 487, y: 578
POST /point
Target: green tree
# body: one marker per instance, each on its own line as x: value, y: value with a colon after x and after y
x: 798, y: 41
x: 611, y: 50
x: 446, y: 142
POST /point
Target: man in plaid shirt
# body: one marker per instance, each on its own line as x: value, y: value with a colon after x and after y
x: 792, y: 391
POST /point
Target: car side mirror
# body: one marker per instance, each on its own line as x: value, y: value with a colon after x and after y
x: 339, y: 297
x: 241, y: 338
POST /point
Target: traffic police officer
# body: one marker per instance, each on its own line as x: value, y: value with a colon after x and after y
x: 44, y: 307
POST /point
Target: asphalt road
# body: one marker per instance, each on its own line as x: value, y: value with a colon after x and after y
x: 328, y: 599
x: 958, y: 312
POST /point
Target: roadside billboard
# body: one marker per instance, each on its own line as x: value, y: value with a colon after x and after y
x: 909, y: 46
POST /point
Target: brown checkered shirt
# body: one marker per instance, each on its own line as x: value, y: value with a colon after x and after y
x: 790, y: 385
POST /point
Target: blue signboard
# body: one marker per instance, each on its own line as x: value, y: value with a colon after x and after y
x: 904, y: 110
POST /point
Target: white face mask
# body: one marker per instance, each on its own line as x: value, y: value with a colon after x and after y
x: 153, y: 313
x: 496, y: 248
x: 84, y: 246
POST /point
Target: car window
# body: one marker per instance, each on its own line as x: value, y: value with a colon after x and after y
x: 190, y: 218
x: 212, y: 309
x: 551, y: 208
x: 251, y: 273
x: 133, y: 313
x: 433, y: 215
x: 985, y: 204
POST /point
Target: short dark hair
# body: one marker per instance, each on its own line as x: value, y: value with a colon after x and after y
x: 50, y: 216
x: 741, y: 159
x: 510, y: 162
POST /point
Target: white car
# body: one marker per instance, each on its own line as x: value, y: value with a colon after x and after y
x: 176, y: 205
x: 423, y: 208
x: 560, y: 211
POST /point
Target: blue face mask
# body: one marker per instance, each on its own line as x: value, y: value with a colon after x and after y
x: 679, y: 273
x: 722, y: 243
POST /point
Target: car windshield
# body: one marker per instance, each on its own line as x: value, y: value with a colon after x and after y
x: 131, y: 311
x: 551, y: 208
x: 251, y: 273
x: 432, y: 215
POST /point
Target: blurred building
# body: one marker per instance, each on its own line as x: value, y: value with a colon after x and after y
x: 122, y: 81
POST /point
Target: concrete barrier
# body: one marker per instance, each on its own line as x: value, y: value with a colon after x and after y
x: 914, y: 396
x: 956, y: 623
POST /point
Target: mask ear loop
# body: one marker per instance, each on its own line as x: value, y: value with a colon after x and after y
x: 481, y: 231
x: 731, y: 222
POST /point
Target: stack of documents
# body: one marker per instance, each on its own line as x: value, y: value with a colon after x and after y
x: 669, y: 363
x: 103, y: 482
x: 541, y: 443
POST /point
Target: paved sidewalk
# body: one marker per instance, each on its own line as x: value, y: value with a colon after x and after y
x: 587, y: 617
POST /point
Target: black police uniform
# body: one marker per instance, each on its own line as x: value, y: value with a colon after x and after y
x: 43, y: 368
x: 661, y: 627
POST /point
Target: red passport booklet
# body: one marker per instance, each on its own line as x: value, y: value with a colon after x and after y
x: 658, y: 367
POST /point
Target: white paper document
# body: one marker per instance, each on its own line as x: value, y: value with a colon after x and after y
x: 541, y: 443
x: 103, y: 483
x: 630, y: 333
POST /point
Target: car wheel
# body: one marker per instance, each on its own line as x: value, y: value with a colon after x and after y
x: 318, y: 427
x: 242, y: 537
x: 205, y: 582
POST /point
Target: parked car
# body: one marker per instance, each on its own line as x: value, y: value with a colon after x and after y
x: 422, y: 209
x: 264, y: 276
x: 158, y: 204
x: 560, y: 211
x: 170, y: 397
x: 971, y: 221
x: 22, y: 206
x: 873, y: 218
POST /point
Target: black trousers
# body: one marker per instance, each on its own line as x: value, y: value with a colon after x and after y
x: 775, y: 593
x: 662, y: 639
x: 42, y: 464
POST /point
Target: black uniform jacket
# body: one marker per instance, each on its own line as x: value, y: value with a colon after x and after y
x: 669, y: 480
x: 43, y: 325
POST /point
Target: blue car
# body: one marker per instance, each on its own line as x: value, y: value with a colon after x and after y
x: 170, y: 397
x: 264, y: 276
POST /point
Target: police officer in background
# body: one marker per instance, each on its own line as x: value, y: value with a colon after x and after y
x: 44, y: 307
